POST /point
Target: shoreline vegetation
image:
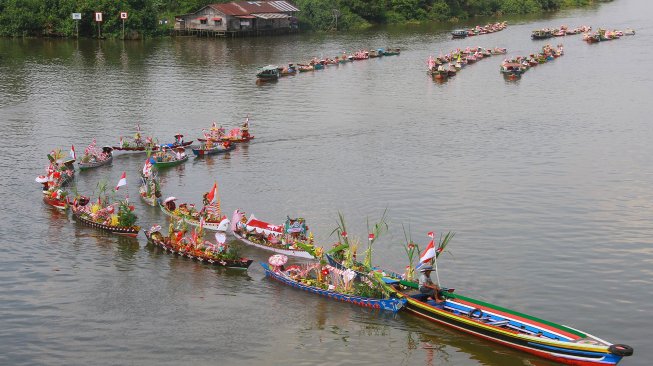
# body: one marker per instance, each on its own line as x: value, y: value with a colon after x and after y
x: 155, y: 18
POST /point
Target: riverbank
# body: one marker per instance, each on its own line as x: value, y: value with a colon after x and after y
x: 150, y: 19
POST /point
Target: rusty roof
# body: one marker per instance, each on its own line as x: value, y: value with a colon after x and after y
x: 253, y: 7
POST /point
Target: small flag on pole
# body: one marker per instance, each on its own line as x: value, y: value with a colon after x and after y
x: 72, y: 152
x: 122, y: 181
x: 431, y: 234
x: 213, y: 194
x: 344, y: 234
x: 370, y: 237
x: 429, y: 252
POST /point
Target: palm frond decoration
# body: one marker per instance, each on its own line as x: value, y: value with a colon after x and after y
x: 377, y: 230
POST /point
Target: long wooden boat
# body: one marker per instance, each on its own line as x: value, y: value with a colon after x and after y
x: 60, y: 204
x: 520, y: 331
x: 244, y: 230
x: 171, y: 163
x: 208, y: 225
x: 392, y: 52
x: 200, y: 256
x: 175, y: 145
x: 217, y: 149
x: 150, y: 200
x: 393, y: 304
x: 269, y: 72
x: 118, y: 230
x: 459, y: 33
x: 95, y: 164
x: 289, y: 252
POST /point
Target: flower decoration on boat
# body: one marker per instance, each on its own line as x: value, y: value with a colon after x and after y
x: 278, y: 260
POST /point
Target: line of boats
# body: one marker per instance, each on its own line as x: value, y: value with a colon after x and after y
x: 479, y: 30
x: 515, y: 67
x: 561, y: 31
x: 606, y: 35
x: 336, y: 273
x: 445, y: 66
x: 273, y: 72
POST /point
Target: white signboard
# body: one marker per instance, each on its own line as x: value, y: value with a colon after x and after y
x: 244, y: 22
x: 123, y: 15
x: 77, y: 16
x: 98, y: 17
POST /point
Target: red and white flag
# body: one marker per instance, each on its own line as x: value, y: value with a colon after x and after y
x: 431, y: 234
x: 213, y: 194
x: 202, y: 221
x: 122, y: 181
x: 370, y: 237
x: 428, y: 253
x: 72, y: 152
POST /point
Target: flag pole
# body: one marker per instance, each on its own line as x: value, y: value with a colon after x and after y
x: 435, y: 261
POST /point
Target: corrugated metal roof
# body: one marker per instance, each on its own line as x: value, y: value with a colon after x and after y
x: 271, y: 15
x: 283, y: 6
x: 251, y: 7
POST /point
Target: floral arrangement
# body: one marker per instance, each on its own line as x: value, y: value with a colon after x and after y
x: 93, y: 154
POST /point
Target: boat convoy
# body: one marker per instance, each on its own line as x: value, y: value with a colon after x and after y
x: 479, y: 30
x: 272, y: 72
x: 335, y: 271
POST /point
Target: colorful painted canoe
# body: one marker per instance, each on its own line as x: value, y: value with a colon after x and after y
x: 523, y: 332
x: 169, y: 164
x: 118, y: 230
x: 393, y: 305
x: 175, y: 145
x: 56, y: 203
x: 218, y: 149
x: 242, y: 263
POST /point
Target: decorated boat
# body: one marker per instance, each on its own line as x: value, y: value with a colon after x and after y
x: 117, y: 218
x: 289, y: 239
x: 209, y: 216
x: 179, y: 142
x: 459, y: 33
x: 166, y: 159
x: 196, y: 248
x: 332, y: 283
x: 541, y: 34
x: 138, y: 143
x: 494, y: 323
x: 150, y: 189
x: 60, y: 171
x: 376, y: 53
x: 392, y: 52
x: 211, y: 148
x: 94, y: 157
x: 240, y: 134
x: 56, y: 198
x: 287, y: 70
x: 269, y: 72
x: 520, y: 331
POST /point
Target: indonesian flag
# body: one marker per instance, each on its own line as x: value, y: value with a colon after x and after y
x: 370, y: 237
x: 431, y: 234
x: 213, y: 194
x: 122, y: 181
x: 202, y: 221
x: 428, y: 253
x: 72, y: 152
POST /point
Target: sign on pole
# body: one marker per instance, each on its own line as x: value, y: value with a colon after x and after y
x: 77, y: 16
x: 98, y: 17
x: 123, y: 15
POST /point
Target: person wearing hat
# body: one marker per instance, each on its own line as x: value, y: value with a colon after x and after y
x: 426, y: 285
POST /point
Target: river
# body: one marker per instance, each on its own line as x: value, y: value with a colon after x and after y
x: 546, y: 182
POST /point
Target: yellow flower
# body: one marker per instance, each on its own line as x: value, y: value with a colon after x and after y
x: 114, y: 220
x: 95, y: 208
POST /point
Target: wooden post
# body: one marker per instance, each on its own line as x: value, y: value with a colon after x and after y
x: 123, y: 29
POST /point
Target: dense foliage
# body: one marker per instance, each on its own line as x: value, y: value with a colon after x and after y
x: 146, y: 17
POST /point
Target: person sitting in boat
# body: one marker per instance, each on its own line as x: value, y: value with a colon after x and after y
x: 180, y: 154
x: 426, y: 285
x: 179, y: 138
x: 170, y: 205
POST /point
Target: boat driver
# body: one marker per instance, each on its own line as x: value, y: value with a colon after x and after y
x: 426, y: 285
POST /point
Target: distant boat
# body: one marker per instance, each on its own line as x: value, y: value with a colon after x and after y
x: 269, y: 72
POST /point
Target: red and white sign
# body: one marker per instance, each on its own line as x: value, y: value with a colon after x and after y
x: 123, y: 15
x: 98, y: 17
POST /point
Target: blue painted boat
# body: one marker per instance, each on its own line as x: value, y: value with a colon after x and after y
x: 392, y: 304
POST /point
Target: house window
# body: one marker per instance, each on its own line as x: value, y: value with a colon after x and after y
x: 203, y: 21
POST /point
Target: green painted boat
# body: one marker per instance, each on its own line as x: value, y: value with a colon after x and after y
x: 171, y: 163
